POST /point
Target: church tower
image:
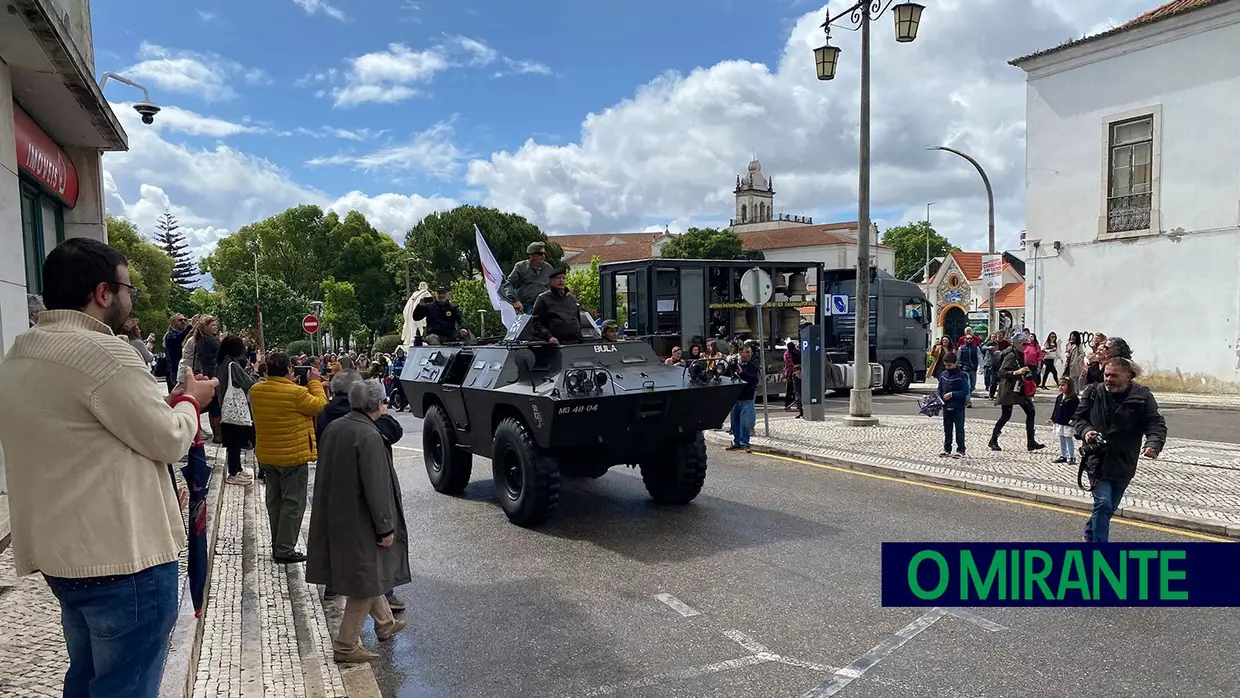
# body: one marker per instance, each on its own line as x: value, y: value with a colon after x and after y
x: 755, y: 197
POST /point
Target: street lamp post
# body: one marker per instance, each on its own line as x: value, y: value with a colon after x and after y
x: 992, y: 319
x: 258, y: 302
x: 907, y: 18
x: 925, y: 275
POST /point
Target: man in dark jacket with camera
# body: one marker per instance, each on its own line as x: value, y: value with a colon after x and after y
x: 1112, y: 420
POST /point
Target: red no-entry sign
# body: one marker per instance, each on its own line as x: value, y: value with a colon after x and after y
x: 310, y: 324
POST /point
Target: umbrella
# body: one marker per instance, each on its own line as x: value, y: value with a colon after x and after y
x: 197, y: 478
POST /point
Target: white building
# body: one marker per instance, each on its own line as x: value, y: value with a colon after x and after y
x: 1133, y: 187
x: 51, y: 141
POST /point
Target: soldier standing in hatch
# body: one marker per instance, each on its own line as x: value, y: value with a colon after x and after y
x: 528, y: 278
x: 557, y: 314
x: 442, y: 317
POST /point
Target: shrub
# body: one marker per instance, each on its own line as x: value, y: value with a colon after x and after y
x: 298, y: 347
x: 386, y: 344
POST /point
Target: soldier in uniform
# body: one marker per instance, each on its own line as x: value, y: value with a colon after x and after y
x: 557, y: 314
x: 528, y: 278
x: 611, y: 331
x: 442, y: 318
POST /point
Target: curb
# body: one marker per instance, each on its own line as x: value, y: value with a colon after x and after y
x: 1131, y: 513
x: 181, y: 664
x: 1164, y: 400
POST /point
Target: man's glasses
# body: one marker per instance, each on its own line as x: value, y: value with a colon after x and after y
x: 134, y: 293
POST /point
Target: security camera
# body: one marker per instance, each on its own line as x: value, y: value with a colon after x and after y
x: 147, y: 110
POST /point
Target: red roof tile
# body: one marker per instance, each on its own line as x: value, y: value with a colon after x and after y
x: 1171, y: 9
x: 797, y: 236
x: 1010, y: 296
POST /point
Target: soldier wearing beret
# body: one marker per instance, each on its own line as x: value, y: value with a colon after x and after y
x: 557, y: 314
x: 528, y: 279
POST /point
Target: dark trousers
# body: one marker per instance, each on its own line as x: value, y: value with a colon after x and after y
x: 1006, y: 413
x: 1048, y: 369
x: 116, y: 631
x: 398, y: 399
x: 286, y: 505
x: 992, y: 381
x: 233, y: 457
x: 953, y: 421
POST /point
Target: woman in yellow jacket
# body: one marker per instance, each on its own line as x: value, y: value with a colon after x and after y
x: 284, y: 413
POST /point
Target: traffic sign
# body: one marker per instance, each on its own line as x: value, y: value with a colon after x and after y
x: 839, y: 305
x: 310, y: 324
x: 756, y: 287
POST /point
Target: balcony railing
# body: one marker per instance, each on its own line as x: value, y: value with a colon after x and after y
x: 1131, y: 212
x: 786, y: 217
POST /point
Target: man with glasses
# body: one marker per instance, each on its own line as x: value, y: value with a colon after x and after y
x: 528, y: 279
x: 87, y: 436
x: 178, y: 329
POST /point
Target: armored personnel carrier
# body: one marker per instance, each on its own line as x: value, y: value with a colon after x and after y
x: 541, y: 411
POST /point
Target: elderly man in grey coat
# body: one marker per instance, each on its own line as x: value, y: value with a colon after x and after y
x: 358, y: 544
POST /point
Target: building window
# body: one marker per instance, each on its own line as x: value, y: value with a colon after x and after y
x: 1130, y: 186
x: 43, y: 228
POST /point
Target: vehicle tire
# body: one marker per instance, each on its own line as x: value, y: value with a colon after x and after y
x: 447, y: 464
x: 901, y: 376
x: 677, y: 477
x: 526, y: 481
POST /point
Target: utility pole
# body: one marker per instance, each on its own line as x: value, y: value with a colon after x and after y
x: 258, y: 304
x: 925, y: 275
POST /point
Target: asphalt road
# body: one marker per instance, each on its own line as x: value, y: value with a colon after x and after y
x: 775, y: 571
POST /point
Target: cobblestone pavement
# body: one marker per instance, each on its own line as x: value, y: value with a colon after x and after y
x: 33, y: 659
x: 1224, y: 401
x: 1192, y: 480
x: 261, y: 637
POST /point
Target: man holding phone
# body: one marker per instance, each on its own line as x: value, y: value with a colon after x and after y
x: 285, y: 443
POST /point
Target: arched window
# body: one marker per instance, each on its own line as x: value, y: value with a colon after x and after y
x: 762, y: 212
x: 744, y: 212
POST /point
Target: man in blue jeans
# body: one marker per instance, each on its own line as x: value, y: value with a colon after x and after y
x: 743, y: 411
x: 88, y: 436
x: 970, y: 355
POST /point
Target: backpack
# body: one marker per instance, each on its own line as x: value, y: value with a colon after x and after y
x: 161, y: 366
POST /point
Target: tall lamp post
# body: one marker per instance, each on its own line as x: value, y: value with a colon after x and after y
x: 925, y: 275
x: 992, y: 319
x: 258, y: 301
x: 907, y: 18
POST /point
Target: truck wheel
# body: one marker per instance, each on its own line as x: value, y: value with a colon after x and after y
x: 678, y: 475
x: 527, y: 482
x: 447, y: 464
x: 901, y: 376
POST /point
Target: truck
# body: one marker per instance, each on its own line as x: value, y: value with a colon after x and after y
x: 685, y: 302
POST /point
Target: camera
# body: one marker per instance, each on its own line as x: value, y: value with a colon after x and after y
x: 302, y: 373
x: 147, y: 110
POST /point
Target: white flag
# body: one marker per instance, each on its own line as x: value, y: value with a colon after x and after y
x: 493, y: 277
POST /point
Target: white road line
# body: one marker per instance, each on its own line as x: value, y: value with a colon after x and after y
x: 408, y: 448
x: 677, y: 605
x: 747, y: 642
x: 870, y: 659
x: 987, y: 625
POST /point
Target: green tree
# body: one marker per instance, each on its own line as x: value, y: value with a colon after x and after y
x: 708, y: 243
x: 584, y: 284
x: 362, y: 257
x: 295, y: 246
x: 340, y: 311
x: 150, y: 270
x: 909, y: 243
x: 283, y: 309
x: 442, y: 249
x: 184, y: 271
x: 203, y: 302
x: 470, y: 296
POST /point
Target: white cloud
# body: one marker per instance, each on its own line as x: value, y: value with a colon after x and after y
x: 398, y: 72
x: 179, y: 120
x: 313, y: 6
x: 672, y: 150
x: 207, y: 16
x: 431, y: 151
x: 204, y: 75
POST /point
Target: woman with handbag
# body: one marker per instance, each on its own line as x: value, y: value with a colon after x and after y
x: 236, y: 421
x: 1016, y: 387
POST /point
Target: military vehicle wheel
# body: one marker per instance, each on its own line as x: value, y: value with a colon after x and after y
x: 677, y: 477
x: 527, y: 482
x: 447, y: 465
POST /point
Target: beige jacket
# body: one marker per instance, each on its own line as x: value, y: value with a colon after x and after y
x: 87, y: 438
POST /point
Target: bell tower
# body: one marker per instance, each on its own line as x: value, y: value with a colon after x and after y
x: 755, y: 196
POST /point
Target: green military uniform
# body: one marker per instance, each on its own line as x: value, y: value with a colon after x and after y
x: 525, y: 282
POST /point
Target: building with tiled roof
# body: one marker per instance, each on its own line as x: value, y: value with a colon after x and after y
x: 1132, y: 187
x: 958, y: 295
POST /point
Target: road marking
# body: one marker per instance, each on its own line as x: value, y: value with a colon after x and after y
x: 998, y: 498
x: 677, y: 605
x: 408, y: 448
x: 760, y: 656
x: 987, y: 625
x: 878, y: 653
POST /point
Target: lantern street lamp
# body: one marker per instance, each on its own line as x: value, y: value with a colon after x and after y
x: 907, y: 19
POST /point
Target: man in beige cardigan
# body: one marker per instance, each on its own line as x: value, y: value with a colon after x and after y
x: 87, y: 438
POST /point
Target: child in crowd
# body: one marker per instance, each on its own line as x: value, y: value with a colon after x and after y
x: 954, y: 392
x: 1065, y: 406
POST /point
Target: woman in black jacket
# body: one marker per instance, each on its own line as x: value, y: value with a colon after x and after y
x: 231, y: 368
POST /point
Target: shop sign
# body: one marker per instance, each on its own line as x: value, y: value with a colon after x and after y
x: 40, y: 157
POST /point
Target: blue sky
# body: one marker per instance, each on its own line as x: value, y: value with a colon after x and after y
x: 262, y: 111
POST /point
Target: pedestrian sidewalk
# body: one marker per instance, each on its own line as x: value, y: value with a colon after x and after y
x: 264, y: 633
x: 1199, y: 400
x: 1193, y: 484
